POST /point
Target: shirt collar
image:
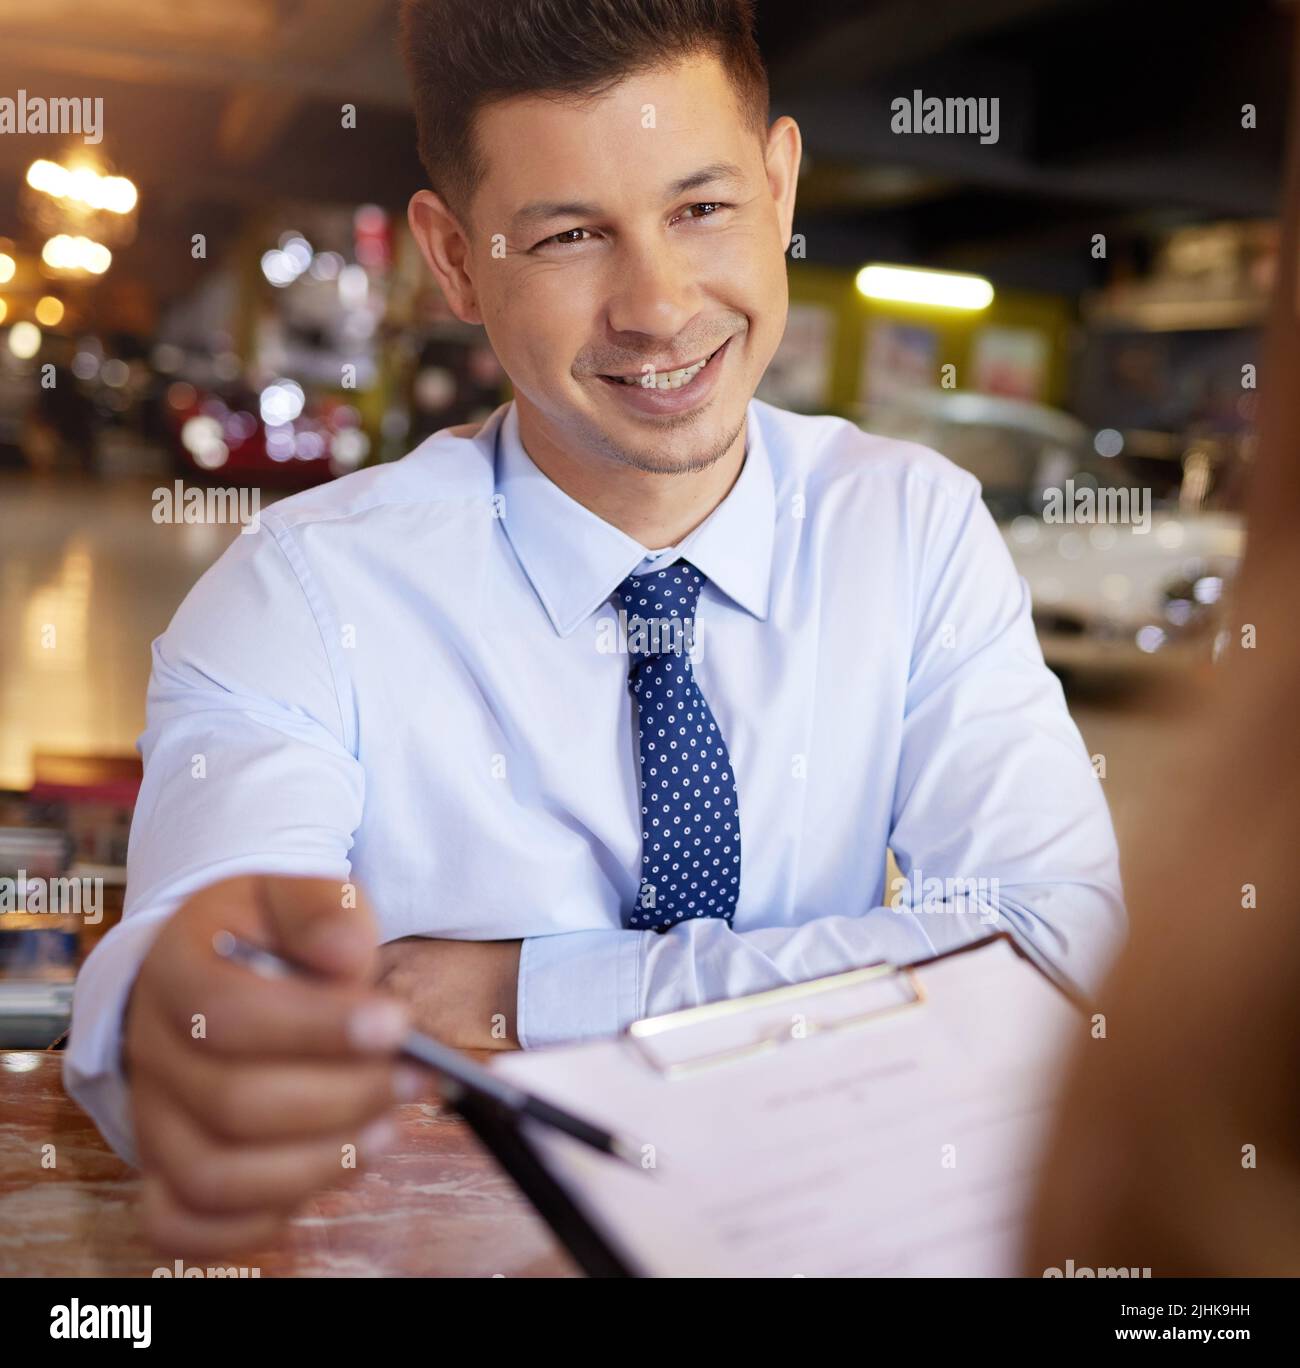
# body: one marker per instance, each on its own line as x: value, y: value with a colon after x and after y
x: 575, y: 559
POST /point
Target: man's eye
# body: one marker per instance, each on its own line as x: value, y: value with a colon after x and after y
x: 708, y: 208
x: 564, y: 239
x: 570, y: 237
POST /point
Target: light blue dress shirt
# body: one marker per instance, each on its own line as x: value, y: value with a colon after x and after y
x: 410, y: 678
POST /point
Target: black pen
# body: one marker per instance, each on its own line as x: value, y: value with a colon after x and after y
x: 463, y: 1073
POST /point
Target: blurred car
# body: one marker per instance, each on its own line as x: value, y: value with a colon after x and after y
x: 1126, y: 561
x: 280, y: 437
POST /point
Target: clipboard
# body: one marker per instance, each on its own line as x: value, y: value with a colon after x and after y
x: 902, y: 990
x: 830, y: 1004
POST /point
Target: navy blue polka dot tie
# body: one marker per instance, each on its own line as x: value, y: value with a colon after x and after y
x: 690, y: 816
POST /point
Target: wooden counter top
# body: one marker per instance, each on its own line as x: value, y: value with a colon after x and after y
x: 438, y: 1205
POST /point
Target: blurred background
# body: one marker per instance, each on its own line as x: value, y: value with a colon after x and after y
x: 215, y: 284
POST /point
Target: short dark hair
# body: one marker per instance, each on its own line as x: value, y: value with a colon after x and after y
x: 464, y: 54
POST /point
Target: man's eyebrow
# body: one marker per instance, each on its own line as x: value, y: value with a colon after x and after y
x: 541, y: 210
x: 706, y: 175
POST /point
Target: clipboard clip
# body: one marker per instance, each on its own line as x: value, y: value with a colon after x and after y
x: 687, y: 1042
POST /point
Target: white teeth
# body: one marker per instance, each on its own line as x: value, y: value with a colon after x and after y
x: 667, y: 380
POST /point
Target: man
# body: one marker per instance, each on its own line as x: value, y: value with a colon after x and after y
x: 612, y: 706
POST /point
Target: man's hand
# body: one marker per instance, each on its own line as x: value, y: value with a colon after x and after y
x: 249, y: 1095
x: 460, y: 992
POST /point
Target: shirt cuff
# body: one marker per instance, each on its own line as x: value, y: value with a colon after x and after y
x: 578, y: 985
x: 92, y: 1060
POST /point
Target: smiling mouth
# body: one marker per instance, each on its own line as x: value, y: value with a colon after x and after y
x: 665, y: 380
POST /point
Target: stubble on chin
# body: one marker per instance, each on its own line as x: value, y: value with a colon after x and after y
x: 646, y: 460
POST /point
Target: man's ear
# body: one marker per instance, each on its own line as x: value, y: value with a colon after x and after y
x: 784, y: 152
x: 445, y: 249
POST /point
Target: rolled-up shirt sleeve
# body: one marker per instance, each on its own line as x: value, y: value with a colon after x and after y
x: 998, y: 823
x: 249, y: 767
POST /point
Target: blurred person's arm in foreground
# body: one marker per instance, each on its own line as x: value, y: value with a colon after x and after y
x: 1177, y: 1146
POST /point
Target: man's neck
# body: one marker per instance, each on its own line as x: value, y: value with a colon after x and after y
x: 653, y: 509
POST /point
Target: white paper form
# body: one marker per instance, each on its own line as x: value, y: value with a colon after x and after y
x: 904, y: 1146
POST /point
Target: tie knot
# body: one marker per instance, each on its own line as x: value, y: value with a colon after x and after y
x: 660, y: 609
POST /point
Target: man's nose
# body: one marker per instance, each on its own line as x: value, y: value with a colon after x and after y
x: 654, y: 292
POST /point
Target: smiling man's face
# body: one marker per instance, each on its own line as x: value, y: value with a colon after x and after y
x: 627, y: 259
